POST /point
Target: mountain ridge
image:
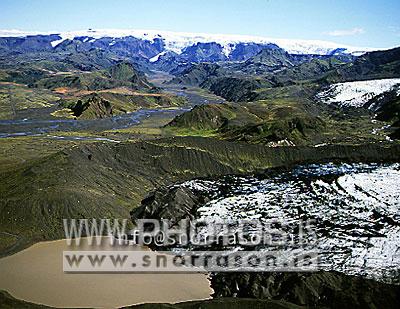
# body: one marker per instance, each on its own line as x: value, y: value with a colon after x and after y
x: 178, y: 41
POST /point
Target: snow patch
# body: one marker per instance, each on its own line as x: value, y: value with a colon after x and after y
x: 156, y: 57
x: 56, y: 42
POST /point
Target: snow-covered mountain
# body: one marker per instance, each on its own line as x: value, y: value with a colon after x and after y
x: 178, y: 41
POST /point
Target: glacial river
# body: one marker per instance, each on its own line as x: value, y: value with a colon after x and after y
x: 43, y: 124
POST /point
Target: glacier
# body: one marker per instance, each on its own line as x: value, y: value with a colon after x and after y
x: 177, y: 41
x: 356, y: 93
x: 354, y: 208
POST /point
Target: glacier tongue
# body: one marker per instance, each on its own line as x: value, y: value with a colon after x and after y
x: 354, y: 208
x: 356, y: 93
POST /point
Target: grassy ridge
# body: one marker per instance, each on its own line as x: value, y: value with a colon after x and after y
x: 286, y: 120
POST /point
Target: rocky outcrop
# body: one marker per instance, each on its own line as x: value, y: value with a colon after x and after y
x: 170, y: 203
x: 31, y: 43
x: 268, y: 60
x: 372, y: 65
x: 197, y: 74
x: 244, y: 51
x: 93, y: 107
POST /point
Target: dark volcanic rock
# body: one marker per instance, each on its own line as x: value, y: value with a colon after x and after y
x: 9, y: 302
x: 244, y: 51
x: 315, y: 290
x: 123, y: 47
x: 31, y: 43
x: 234, y: 89
x: 94, y: 105
x: 373, y: 65
x: 196, y: 75
x: 268, y: 60
x: 201, y: 52
x: 166, y: 203
x: 224, y: 303
x: 386, y: 105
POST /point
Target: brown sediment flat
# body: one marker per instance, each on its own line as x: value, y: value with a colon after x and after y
x: 13, y: 84
x: 36, y: 275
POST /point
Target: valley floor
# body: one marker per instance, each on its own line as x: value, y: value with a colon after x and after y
x: 56, y: 167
